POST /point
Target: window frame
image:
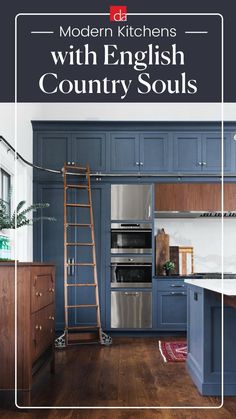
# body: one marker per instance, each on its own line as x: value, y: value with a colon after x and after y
x: 6, y: 175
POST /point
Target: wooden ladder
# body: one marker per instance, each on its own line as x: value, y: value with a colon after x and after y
x: 82, y: 333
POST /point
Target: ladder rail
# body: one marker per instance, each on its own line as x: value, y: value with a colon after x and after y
x: 65, y: 256
x: 94, y: 254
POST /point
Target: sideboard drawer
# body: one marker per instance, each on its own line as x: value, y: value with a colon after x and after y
x: 42, y: 291
x: 43, y: 324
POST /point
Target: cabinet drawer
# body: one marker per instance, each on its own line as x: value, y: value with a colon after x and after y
x: 174, y: 285
x: 42, y: 291
x: 43, y: 330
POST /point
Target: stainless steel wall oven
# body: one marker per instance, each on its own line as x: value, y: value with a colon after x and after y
x: 131, y: 238
x: 131, y: 272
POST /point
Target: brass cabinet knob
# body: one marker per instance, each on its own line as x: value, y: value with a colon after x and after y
x: 39, y: 294
x: 51, y: 289
x: 38, y: 327
x: 51, y: 317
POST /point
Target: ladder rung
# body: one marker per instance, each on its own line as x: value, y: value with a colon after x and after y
x: 78, y: 225
x: 78, y: 186
x: 82, y: 327
x: 79, y: 205
x: 80, y: 264
x: 82, y: 306
x: 79, y: 244
x: 81, y: 285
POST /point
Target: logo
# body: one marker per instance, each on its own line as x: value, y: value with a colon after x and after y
x: 118, y: 13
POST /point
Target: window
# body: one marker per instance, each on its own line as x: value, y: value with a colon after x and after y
x: 5, y: 181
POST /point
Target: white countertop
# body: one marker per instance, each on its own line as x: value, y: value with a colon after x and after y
x: 227, y: 286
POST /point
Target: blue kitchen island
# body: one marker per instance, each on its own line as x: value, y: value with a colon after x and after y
x: 204, y: 332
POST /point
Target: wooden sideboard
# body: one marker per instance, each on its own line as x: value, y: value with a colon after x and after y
x: 35, y: 323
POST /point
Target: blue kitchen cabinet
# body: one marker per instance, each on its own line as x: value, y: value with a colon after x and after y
x: 212, y: 152
x: 201, y: 152
x: 187, y: 152
x: 133, y: 147
x: 124, y: 152
x: 90, y: 148
x: 145, y: 152
x: 204, y: 360
x: 51, y: 150
x: 155, y: 155
x: 170, y: 308
x: 49, y: 246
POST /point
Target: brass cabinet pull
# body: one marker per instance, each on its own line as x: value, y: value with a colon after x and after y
x: 51, y: 289
x: 51, y: 317
x: 39, y: 294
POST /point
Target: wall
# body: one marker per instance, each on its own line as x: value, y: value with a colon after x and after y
x: 21, y: 173
x: 206, y: 238
x: 26, y: 112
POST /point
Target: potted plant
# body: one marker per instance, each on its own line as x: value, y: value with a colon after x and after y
x: 18, y: 218
x: 168, y: 267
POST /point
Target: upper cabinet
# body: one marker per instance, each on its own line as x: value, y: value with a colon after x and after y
x: 139, y: 152
x: 90, y: 148
x: 187, y: 197
x: 197, y: 152
x: 124, y: 152
x: 194, y: 197
x: 154, y: 152
x: 51, y: 150
x: 212, y: 152
x: 187, y: 152
x: 137, y: 147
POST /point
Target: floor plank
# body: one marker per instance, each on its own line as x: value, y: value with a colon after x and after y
x: 130, y: 373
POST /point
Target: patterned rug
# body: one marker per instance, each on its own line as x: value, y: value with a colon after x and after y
x: 174, y: 351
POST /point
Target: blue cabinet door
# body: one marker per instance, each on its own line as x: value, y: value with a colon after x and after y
x: 155, y: 153
x: 187, y: 152
x: 51, y: 150
x: 124, y: 152
x: 172, y: 310
x: 90, y: 148
x: 49, y: 247
x: 212, y: 152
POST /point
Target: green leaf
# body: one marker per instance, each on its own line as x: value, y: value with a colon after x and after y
x: 19, y: 218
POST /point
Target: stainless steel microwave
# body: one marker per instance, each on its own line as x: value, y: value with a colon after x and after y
x: 131, y: 238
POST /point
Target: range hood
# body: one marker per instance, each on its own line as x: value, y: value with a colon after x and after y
x: 194, y: 214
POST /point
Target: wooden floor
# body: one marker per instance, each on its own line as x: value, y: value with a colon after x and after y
x: 130, y: 373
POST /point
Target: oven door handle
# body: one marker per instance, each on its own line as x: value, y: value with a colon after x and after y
x: 131, y: 231
x: 116, y: 265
